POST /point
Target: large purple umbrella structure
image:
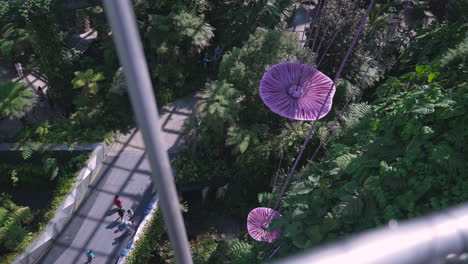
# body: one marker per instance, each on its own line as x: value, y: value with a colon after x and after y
x: 296, y: 91
x: 258, y: 221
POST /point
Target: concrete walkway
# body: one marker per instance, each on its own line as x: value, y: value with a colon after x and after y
x: 125, y: 172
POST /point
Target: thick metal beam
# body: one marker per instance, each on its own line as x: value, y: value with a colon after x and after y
x: 130, y: 51
x: 432, y: 239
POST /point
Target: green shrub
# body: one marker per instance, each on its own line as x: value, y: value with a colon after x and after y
x: 20, y: 237
x: 11, y: 219
x: 15, y: 99
x: 15, y: 44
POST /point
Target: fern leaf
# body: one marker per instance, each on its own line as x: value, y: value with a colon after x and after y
x: 15, y: 235
x: 240, y: 252
x: 3, y: 216
x: 26, y: 152
x: 20, y: 215
x: 344, y: 160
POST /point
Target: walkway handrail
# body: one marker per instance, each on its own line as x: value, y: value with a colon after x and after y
x: 130, y: 50
x: 427, y: 239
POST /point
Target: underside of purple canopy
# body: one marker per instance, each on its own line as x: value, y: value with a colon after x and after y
x: 296, y: 91
x: 258, y: 221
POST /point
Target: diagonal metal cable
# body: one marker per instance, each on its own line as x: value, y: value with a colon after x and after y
x: 312, y: 129
x: 340, y: 27
x: 387, y: 38
x: 320, y: 11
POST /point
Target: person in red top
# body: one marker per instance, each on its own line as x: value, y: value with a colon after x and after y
x: 117, y: 201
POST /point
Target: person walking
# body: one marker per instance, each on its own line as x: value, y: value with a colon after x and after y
x: 90, y: 255
x: 217, y: 54
x: 117, y: 202
x: 128, y: 225
x: 206, y: 60
x: 19, y: 69
x: 121, y: 214
x: 130, y: 215
x: 41, y: 94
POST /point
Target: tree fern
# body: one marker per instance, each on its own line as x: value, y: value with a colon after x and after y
x: 240, y: 252
x: 18, y: 216
x: 16, y: 99
x: 87, y: 81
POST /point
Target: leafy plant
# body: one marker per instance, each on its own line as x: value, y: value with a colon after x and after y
x: 51, y: 167
x: 87, y: 81
x: 236, y: 20
x: 15, y: 44
x: 176, y: 39
x: 240, y: 252
x: 11, y: 231
x: 15, y: 99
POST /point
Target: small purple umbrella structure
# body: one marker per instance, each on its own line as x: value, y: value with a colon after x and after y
x: 296, y: 91
x: 258, y: 221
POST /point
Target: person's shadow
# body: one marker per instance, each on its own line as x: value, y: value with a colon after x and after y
x: 87, y: 261
x: 119, y: 239
x: 111, y: 211
x: 120, y: 228
x: 112, y: 225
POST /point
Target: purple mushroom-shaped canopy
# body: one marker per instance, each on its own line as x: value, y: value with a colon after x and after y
x: 258, y: 221
x: 296, y: 91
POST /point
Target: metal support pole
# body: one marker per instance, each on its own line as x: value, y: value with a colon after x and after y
x: 426, y: 240
x: 130, y: 51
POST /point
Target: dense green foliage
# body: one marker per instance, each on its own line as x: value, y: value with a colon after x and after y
x: 377, y: 163
x: 231, y: 129
x: 35, y: 177
x: 236, y: 20
x: 176, y: 40
x: 15, y: 99
x: 11, y: 219
x: 403, y: 158
x: 15, y: 44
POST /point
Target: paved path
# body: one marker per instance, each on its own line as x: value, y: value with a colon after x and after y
x: 125, y: 172
x: 301, y: 20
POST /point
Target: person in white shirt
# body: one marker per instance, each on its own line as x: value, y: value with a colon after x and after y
x: 128, y: 225
x: 130, y: 215
x: 19, y: 69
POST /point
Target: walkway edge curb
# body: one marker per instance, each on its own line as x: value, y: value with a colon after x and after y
x: 69, y: 205
x: 141, y: 228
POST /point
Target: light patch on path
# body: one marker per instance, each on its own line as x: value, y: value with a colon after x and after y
x: 172, y: 118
